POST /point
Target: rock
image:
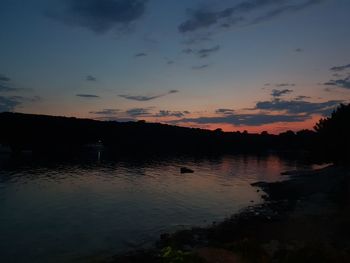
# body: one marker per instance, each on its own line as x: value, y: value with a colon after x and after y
x: 185, y: 170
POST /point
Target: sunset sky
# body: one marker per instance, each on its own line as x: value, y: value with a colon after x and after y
x: 236, y: 64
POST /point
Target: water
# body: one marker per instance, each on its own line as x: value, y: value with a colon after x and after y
x: 72, y: 212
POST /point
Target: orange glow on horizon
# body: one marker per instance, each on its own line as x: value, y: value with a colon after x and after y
x: 274, y: 128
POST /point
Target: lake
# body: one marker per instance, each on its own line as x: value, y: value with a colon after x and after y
x: 82, y: 209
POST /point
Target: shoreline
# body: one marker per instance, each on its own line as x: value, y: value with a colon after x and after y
x: 307, y: 213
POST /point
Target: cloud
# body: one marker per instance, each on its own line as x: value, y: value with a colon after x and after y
x: 5, y: 88
x: 188, y: 51
x: 280, y: 85
x: 167, y: 113
x: 138, y: 112
x: 6, y: 85
x: 341, y: 83
x: 100, y: 16
x: 298, y: 106
x: 279, y: 93
x: 9, y: 103
x: 202, y: 53
x: 173, y: 91
x: 224, y: 111
x: 140, y: 98
x: 340, y: 68
x: 111, y: 118
x: 147, y: 98
x: 205, y: 52
x: 106, y: 112
x: 273, y: 111
x: 88, y: 96
x: 302, y: 97
x: 233, y: 15
x: 4, y: 78
x: 140, y: 55
x: 91, y: 78
x: 200, y: 19
x: 244, y: 119
x: 298, y: 50
x: 285, y: 9
x: 200, y: 67
x: 134, y: 113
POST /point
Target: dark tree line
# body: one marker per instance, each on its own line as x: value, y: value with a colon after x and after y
x: 334, y: 134
x: 43, y: 134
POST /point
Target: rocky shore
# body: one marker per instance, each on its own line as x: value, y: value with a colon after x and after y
x: 303, y: 219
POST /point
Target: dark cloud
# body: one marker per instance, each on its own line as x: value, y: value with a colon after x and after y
x: 100, y: 16
x: 203, y: 19
x: 106, y: 112
x: 167, y: 113
x: 298, y: 50
x: 302, y: 97
x: 200, y: 67
x: 341, y: 83
x: 188, y: 51
x: 6, y: 88
x: 10, y: 103
x: 341, y: 68
x: 298, y: 106
x: 91, y: 78
x: 273, y: 111
x: 233, y: 15
x: 140, y: 55
x: 285, y: 9
x: 117, y: 119
x: 88, y: 96
x: 134, y: 113
x: 205, y: 52
x: 281, y: 85
x: 279, y: 93
x: 5, y: 84
x: 140, y: 98
x: 198, y: 38
x: 202, y: 53
x: 4, y: 78
x: 147, y: 98
x: 138, y: 112
x: 244, y: 119
x: 224, y: 111
x: 35, y: 99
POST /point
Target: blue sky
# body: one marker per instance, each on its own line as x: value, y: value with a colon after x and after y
x: 177, y: 62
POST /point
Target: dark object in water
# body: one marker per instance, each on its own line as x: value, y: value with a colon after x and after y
x: 185, y: 170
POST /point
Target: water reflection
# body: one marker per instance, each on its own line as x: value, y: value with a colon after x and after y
x: 62, y: 211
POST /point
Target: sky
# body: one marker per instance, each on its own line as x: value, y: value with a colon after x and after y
x: 255, y: 65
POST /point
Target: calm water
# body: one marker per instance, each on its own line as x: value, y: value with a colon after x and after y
x: 69, y: 212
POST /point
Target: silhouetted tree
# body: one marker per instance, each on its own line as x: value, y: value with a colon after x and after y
x: 334, y: 133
